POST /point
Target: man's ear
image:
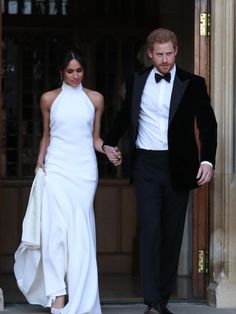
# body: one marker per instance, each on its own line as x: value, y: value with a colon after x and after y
x: 149, y: 52
x: 176, y: 50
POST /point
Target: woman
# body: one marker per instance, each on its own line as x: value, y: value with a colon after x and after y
x: 71, y: 131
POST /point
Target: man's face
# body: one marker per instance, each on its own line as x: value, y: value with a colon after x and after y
x: 163, y: 56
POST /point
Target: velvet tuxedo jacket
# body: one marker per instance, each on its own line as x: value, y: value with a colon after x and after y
x: 192, y: 127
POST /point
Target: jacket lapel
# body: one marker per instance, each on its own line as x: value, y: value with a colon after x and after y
x: 180, y: 84
x: 139, y: 83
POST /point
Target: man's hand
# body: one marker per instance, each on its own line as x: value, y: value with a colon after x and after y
x: 113, y: 154
x: 204, y: 174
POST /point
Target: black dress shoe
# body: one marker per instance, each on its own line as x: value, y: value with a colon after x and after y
x: 151, y: 310
x: 165, y: 310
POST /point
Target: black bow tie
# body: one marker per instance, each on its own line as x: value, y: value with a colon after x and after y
x: 166, y: 77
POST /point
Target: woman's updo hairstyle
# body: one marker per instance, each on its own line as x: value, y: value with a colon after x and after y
x: 68, y: 55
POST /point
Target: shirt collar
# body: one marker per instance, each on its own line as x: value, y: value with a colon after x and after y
x: 172, y: 72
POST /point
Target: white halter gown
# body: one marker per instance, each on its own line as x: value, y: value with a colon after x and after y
x: 68, y: 247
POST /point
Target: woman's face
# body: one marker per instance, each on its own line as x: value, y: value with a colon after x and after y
x: 73, y: 73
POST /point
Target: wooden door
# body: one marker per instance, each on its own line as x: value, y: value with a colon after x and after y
x: 201, y: 196
x: 0, y: 90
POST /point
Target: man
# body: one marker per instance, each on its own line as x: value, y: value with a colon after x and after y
x: 162, y: 106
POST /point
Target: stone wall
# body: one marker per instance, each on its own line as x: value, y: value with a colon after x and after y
x: 222, y: 287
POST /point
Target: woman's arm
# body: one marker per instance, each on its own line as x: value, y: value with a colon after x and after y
x: 113, y: 154
x: 46, y: 101
x: 98, y: 102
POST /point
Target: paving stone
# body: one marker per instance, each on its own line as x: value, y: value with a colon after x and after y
x: 177, y: 308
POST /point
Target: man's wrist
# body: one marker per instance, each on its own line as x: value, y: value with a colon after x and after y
x: 206, y: 163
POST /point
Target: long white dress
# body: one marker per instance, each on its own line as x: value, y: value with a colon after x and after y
x: 68, y: 246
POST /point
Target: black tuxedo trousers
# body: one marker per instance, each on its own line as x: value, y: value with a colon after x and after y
x: 161, y: 211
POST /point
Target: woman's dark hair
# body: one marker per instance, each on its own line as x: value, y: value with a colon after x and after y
x: 68, y: 55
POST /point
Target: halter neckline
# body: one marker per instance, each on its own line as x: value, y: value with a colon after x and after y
x: 71, y: 88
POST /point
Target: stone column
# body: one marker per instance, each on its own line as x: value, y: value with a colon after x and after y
x: 222, y: 287
x: 1, y: 294
x: 1, y: 300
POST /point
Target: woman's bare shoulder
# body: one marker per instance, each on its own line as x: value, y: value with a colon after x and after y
x: 47, y: 98
x: 96, y: 98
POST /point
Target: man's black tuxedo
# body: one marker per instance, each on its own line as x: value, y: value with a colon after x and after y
x: 189, y: 103
x: 163, y: 179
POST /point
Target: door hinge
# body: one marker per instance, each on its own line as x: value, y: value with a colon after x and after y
x: 203, y: 262
x: 205, y: 23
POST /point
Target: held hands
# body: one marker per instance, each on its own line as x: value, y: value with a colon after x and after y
x: 113, y: 154
x: 204, y: 174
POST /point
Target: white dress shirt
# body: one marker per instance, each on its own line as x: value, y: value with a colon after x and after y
x: 154, y: 113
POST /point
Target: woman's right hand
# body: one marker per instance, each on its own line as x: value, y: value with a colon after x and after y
x: 40, y: 165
